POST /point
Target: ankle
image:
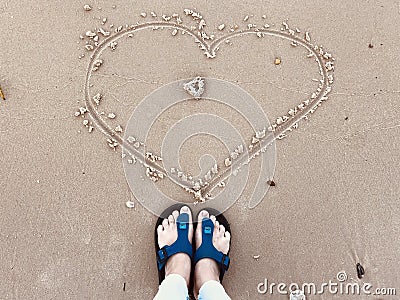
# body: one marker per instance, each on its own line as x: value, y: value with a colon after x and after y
x: 180, y: 264
x: 206, y: 270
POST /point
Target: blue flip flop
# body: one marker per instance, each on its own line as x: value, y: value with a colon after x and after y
x: 181, y: 245
x: 207, y: 249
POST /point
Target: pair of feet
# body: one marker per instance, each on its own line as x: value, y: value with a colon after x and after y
x: 206, y: 269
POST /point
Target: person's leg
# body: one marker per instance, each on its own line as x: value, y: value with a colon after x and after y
x: 206, y: 273
x: 177, y: 269
x: 173, y: 287
x: 211, y: 290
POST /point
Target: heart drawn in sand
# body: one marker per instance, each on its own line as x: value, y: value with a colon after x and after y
x: 263, y: 137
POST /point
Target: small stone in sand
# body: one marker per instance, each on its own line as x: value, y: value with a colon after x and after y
x: 90, y: 34
x: 111, y: 116
x: 97, y: 98
x: 221, y: 27
x: 360, y: 271
x: 131, y: 139
x: 2, y: 95
x: 152, y: 157
x: 97, y: 64
x: 221, y: 184
x: 195, y: 87
x: 271, y: 183
x: 82, y: 110
x: 277, y: 61
x: 113, y: 45
x: 130, y: 204
x: 256, y: 256
x: 87, y: 7
x: 132, y: 160
x: 112, y: 143
x: 227, y: 162
x: 307, y: 36
x: 103, y: 32
x: 202, y: 24
x: 118, y: 128
x: 143, y: 14
x: 89, y: 47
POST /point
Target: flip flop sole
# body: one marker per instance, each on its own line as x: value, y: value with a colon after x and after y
x: 223, y: 221
x: 164, y: 215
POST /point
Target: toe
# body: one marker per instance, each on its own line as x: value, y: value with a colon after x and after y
x: 186, y: 210
x: 216, y: 225
x: 228, y: 235
x: 159, y: 229
x: 165, y: 223
x: 222, y: 229
x: 216, y: 233
x: 171, y: 220
x: 213, y: 219
x: 203, y: 214
x: 175, y: 214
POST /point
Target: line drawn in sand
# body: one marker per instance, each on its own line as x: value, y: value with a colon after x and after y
x: 209, y: 44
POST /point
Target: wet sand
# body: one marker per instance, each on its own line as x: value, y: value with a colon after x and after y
x: 66, y: 232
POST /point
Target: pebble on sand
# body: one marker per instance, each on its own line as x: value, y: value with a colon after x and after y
x: 87, y: 7
x: 2, y: 95
x: 130, y: 204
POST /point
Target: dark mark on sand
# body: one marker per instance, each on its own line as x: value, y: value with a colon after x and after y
x: 271, y: 182
x: 360, y: 271
x: 2, y: 95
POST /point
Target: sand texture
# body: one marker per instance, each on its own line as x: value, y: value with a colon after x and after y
x: 66, y: 231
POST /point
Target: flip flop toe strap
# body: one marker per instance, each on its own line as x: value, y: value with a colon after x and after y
x: 181, y: 245
x: 207, y: 249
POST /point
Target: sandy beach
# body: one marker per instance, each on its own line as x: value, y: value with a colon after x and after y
x: 66, y: 231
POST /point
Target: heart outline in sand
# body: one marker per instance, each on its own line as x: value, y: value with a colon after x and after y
x: 282, y: 125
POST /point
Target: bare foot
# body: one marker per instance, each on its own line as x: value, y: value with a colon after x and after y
x: 207, y: 269
x: 179, y: 263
